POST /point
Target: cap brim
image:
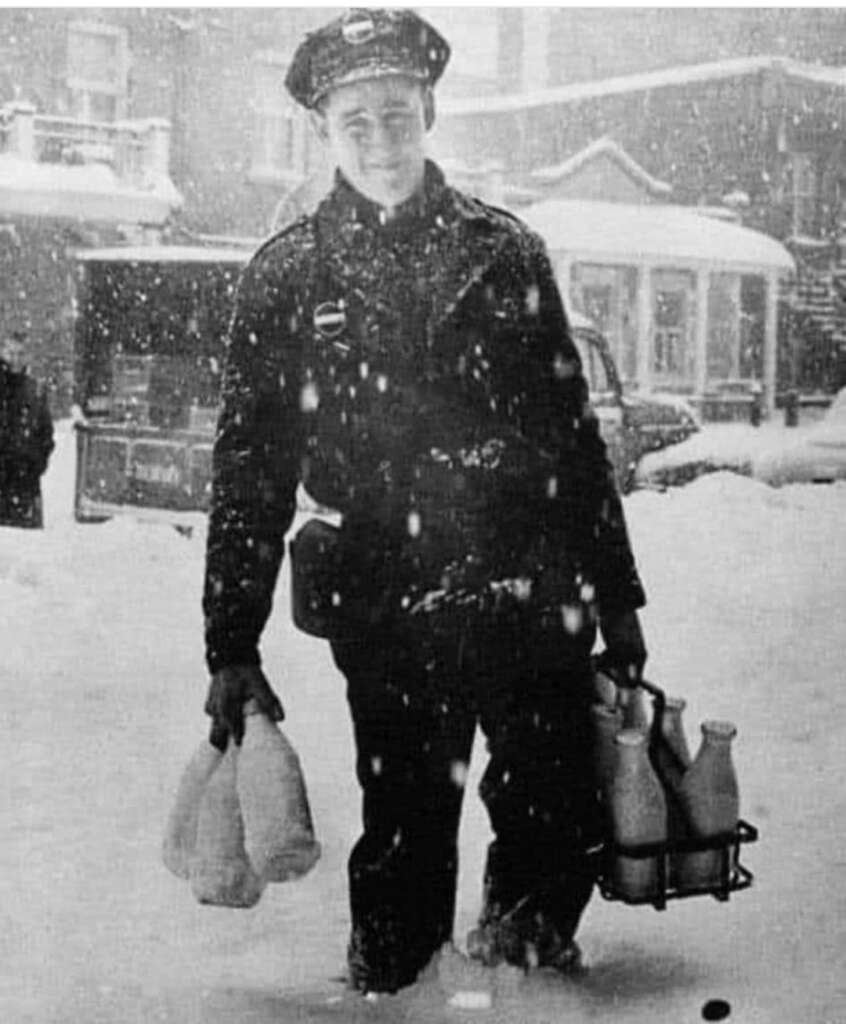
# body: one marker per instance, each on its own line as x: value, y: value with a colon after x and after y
x: 365, y: 73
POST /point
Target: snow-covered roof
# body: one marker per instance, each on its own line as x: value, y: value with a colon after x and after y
x: 681, y: 75
x: 163, y: 254
x: 613, y: 232
x: 819, y: 73
x: 90, y: 192
x: 602, y: 147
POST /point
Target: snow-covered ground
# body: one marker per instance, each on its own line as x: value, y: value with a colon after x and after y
x: 102, y: 685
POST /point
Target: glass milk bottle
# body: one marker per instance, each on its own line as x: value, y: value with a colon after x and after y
x: 630, y: 700
x: 710, y: 799
x: 671, y: 759
x: 670, y: 752
x: 639, y: 815
x: 607, y: 722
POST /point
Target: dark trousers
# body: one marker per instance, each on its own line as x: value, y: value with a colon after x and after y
x: 416, y: 694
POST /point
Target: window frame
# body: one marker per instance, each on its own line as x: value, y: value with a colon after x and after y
x: 805, y: 194
x: 291, y: 136
x: 116, y: 87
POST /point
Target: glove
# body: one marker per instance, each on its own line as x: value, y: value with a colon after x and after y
x: 625, y: 651
x: 229, y: 690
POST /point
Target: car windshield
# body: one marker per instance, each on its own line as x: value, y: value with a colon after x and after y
x: 593, y: 366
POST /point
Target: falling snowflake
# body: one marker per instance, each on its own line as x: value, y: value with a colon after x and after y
x: 309, y: 397
x: 458, y: 774
x: 573, y: 618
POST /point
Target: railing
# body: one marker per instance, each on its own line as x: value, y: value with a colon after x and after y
x: 135, y: 150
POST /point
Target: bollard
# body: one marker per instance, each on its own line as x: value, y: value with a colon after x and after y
x: 791, y: 408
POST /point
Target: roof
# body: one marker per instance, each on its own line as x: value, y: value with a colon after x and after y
x: 164, y: 254
x: 641, y: 82
x: 87, y: 192
x: 617, y: 232
x: 602, y: 147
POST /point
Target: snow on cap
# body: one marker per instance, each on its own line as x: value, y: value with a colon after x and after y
x: 366, y: 43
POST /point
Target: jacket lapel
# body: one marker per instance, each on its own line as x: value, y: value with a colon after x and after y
x: 461, y: 242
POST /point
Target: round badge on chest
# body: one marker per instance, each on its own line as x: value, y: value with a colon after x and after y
x: 330, y: 318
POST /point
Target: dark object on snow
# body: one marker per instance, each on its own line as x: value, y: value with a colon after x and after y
x: 26, y: 441
x: 791, y: 408
x: 716, y: 1009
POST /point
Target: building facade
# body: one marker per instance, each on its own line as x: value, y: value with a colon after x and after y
x: 759, y: 140
x: 157, y: 124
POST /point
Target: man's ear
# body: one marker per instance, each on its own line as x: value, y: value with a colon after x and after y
x: 428, y: 107
x: 319, y: 124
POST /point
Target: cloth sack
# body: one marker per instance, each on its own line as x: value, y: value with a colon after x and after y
x: 180, y: 838
x: 278, y: 830
x: 219, y: 870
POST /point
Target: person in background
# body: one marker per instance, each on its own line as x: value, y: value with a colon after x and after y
x: 404, y: 354
x: 26, y: 437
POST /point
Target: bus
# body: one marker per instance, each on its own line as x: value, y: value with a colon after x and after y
x: 148, y: 352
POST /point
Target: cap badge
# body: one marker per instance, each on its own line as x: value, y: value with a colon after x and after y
x: 358, y: 29
x: 330, y: 318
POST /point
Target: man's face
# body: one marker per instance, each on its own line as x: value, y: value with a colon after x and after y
x: 376, y: 132
x: 14, y: 355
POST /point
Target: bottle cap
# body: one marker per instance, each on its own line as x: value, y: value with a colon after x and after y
x: 603, y: 711
x: 630, y: 737
x: 719, y: 730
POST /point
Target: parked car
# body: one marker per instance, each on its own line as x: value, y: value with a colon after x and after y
x: 631, y: 425
x: 816, y: 454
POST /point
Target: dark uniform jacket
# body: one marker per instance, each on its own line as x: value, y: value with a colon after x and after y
x: 418, y: 376
x: 26, y: 440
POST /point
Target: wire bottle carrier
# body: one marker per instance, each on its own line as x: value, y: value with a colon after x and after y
x: 733, y: 876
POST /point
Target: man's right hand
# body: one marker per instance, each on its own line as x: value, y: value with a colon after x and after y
x: 229, y: 690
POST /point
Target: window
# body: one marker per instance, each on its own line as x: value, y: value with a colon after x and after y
x: 593, y: 365
x: 607, y: 295
x: 673, y: 317
x: 280, y: 134
x: 510, y: 70
x: 723, y: 327
x: 97, y: 71
x: 805, y: 195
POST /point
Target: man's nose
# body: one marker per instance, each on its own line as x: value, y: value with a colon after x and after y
x: 384, y: 136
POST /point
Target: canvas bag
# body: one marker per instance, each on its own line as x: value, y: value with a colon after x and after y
x: 219, y: 871
x: 180, y: 838
x: 278, y: 831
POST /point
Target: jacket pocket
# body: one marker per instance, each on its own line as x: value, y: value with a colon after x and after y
x: 315, y: 579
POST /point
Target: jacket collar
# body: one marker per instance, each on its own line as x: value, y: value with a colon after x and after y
x: 460, y: 236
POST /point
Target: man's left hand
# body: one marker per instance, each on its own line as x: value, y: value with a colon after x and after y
x: 625, y: 651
